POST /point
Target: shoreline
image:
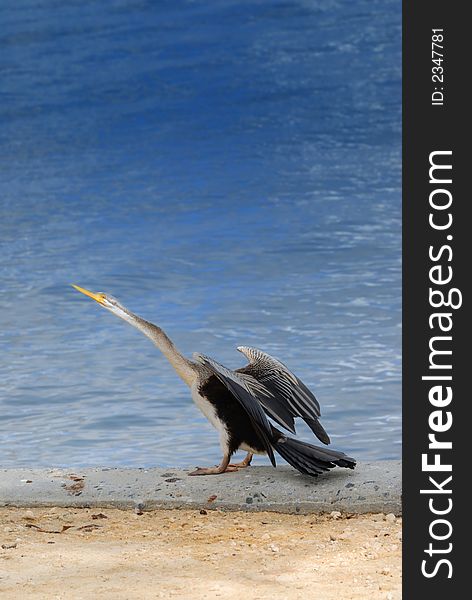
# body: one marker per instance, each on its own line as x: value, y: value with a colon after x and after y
x: 372, y: 487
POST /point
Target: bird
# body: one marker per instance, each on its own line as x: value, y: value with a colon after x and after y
x: 239, y: 403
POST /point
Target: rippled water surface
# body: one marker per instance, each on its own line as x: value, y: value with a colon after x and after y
x: 228, y: 170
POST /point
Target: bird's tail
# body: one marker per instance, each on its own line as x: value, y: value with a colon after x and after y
x: 309, y: 459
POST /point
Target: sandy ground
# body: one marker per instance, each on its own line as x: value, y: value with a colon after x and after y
x: 90, y: 553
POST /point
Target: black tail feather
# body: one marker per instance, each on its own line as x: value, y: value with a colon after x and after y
x: 318, y: 430
x: 309, y: 459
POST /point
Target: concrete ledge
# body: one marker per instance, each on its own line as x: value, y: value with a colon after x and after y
x: 371, y: 487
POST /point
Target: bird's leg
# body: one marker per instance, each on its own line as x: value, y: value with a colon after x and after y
x: 223, y: 467
x: 244, y: 463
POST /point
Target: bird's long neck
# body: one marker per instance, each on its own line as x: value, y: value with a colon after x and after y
x: 185, y: 368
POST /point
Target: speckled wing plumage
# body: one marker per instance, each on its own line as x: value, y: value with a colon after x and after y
x: 243, y: 389
x: 289, y: 394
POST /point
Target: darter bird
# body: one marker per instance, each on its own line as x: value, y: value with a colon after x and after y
x: 238, y: 403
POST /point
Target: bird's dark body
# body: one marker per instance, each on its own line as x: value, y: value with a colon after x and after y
x: 243, y: 433
x: 232, y: 414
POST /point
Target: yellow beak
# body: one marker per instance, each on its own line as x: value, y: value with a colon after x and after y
x: 97, y: 297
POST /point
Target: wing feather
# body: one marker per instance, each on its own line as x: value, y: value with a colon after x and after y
x: 290, y: 391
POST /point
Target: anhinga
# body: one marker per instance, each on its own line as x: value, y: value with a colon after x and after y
x: 237, y: 403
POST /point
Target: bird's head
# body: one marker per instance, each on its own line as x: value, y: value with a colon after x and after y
x: 106, y: 301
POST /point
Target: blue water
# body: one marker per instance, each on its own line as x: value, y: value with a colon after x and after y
x: 228, y: 170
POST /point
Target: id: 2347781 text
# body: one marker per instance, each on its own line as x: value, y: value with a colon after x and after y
x: 437, y: 70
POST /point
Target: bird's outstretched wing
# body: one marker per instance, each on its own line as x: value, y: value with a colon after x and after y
x: 240, y: 387
x: 286, y: 389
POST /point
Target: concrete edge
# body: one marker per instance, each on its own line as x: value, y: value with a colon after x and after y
x: 373, y: 487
